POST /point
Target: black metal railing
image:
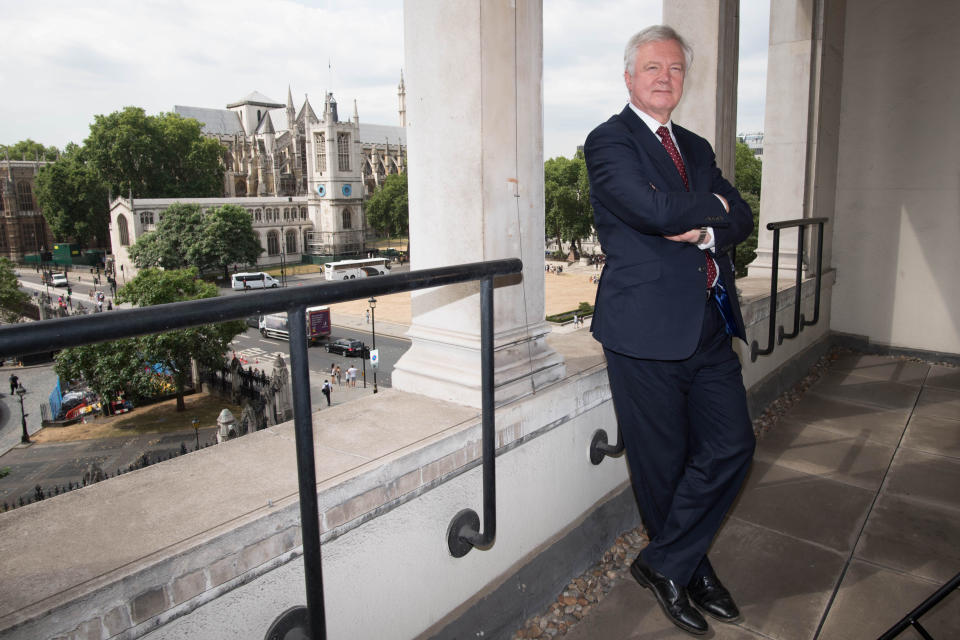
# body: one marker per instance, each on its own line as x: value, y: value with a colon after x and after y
x: 51, y: 335
x: 799, y: 321
x: 912, y: 619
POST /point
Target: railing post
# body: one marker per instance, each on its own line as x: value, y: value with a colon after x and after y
x: 755, y: 349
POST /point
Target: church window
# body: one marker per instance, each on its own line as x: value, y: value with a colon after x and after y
x: 146, y: 217
x: 24, y: 196
x: 321, y: 143
x: 258, y: 215
x: 343, y: 151
x: 292, y: 241
x: 286, y: 213
x: 303, y: 213
x: 273, y: 243
x: 347, y: 223
x: 123, y: 231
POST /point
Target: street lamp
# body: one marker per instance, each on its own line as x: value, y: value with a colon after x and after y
x: 196, y: 430
x: 373, y: 333
x: 25, y: 437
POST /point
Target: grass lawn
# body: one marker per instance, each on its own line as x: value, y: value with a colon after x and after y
x: 155, y: 418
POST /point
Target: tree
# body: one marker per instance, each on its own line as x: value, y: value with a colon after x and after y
x: 29, y: 150
x: 567, y: 209
x: 185, y: 237
x: 73, y: 199
x: 387, y: 209
x: 226, y: 237
x: 108, y: 368
x: 155, y: 156
x: 12, y: 298
x: 747, y: 177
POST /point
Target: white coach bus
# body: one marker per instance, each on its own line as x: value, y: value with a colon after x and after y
x: 350, y: 269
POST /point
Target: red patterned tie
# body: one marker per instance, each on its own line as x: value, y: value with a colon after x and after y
x: 671, y: 148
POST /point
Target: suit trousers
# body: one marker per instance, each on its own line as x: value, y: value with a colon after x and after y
x: 689, y: 443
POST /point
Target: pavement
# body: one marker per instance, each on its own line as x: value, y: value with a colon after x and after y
x: 849, y: 519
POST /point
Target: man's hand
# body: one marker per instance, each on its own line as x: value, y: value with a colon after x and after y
x: 692, y: 236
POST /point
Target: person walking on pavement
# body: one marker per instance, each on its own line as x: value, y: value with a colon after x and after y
x: 327, y: 390
x: 338, y: 374
x: 14, y: 383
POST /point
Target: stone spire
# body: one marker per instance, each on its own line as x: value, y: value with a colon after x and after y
x: 402, y: 96
x: 356, y: 114
x: 291, y: 114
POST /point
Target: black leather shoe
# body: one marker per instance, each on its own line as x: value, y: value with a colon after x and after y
x: 671, y: 596
x: 708, y: 593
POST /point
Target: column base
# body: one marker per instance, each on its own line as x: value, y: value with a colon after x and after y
x: 762, y: 265
x: 445, y: 364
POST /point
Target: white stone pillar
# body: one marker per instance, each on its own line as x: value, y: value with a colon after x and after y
x: 709, y: 104
x: 475, y: 135
x: 802, y: 112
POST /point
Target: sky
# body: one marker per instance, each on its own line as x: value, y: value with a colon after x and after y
x: 66, y: 61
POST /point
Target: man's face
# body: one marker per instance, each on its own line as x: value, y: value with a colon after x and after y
x: 657, y: 81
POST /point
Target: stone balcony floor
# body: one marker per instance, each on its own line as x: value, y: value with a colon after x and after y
x: 849, y: 519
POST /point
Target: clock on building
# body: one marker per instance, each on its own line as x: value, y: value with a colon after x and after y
x: 321, y: 190
x: 346, y: 189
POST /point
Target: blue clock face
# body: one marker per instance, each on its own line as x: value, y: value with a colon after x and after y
x: 346, y: 189
x: 321, y: 190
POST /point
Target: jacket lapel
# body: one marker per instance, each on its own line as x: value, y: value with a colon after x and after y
x: 653, y: 147
x: 683, y: 144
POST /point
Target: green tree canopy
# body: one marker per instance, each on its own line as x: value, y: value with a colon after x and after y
x: 28, y: 150
x: 569, y: 216
x: 164, y: 156
x: 185, y: 237
x: 387, y: 209
x: 12, y: 298
x: 73, y: 199
x: 226, y: 237
x: 747, y: 177
x: 123, y: 364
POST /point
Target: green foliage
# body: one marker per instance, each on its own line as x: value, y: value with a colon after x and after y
x: 748, y: 172
x: 171, y: 245
x: 12, y: 298
x: 120, y: 365
x: 226, y: 238
x: 28, y: 150
x: 569, y: 216
x: 583, y: 309
x: 73, y: 199
x: 185, y: 237
x: 164, y: 156
x: 387, y: 208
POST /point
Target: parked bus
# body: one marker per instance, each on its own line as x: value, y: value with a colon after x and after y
x: 258, y: 280
x: 275, y: 325
x: 350, y: 269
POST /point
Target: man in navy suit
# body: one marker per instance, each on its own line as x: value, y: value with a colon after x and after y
x: 665, y: 313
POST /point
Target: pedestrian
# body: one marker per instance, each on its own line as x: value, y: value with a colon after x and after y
x: 368, y: 316
x: 659, y: 200
x: 14, y: 383
x: 338, y: 374
x: 333, y: 368
x: 575, y: 321
x: 109, y: 305
x: 352, y: 376
x: 327, y: 389
x: 99, y: 305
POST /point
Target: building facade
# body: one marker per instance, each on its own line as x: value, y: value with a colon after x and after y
x: 303, y: 184
x: 23, y: 230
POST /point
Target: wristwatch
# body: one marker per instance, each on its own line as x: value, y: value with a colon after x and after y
x: 703, y: 235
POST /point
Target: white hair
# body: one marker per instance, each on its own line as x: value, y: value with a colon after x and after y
x: 655, y: 33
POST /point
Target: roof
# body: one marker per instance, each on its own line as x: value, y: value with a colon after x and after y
x: 257, y: 99
x: 214, y: 121
x: 307, y: 109
x: 382, y: 133
x: 266, y: 125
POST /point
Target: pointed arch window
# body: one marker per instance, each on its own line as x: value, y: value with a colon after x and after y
x: 291, y: 241
x: 123, y: 231
x: 24, y: 196
x: 343, y: 151
x: 273, y: 243
x: 346, y: 219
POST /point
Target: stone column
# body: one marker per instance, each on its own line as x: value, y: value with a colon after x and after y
x: 709, y: 104
x: 475, y: 135
x: 800, y: 124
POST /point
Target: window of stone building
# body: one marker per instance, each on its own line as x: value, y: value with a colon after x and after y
x: 346, y: 221
x: 291, y: 241
x: 3, y: 237
x: 286, y: 213
x: 343, y: 151
x: 306, y: 239
x: 321, y: 144
x: 258, y: 215
x: 123, y: 231
x: 24, y: 196
x: 146, y: 217
x: 303, y: 213
x: 273, y: 243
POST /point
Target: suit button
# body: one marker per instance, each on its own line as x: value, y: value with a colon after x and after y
x: 700, y: 269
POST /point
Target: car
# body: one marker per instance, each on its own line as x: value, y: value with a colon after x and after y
x: 347, y: 347
x: 59, y: 280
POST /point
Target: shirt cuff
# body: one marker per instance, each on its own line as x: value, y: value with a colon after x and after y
x: 709, y: 244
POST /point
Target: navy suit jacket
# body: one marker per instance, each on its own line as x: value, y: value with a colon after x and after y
x: 651, y: 295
